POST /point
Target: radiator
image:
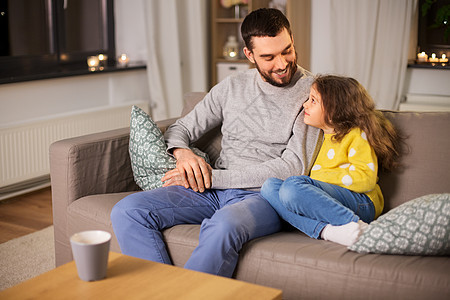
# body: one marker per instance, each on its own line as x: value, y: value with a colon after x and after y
x: 24, y: 148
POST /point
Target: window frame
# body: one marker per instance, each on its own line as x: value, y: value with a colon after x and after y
x: 59, y: 60
x: 424, y: 41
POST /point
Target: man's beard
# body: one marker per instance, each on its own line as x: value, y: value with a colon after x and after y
x: 291, y: 69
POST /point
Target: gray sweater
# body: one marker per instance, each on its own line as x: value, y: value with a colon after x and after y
x: 262, y: 125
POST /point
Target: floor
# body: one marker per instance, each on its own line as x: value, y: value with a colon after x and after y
x: 25, y: 214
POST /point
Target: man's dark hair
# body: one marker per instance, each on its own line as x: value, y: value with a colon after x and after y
x: 263, y: 22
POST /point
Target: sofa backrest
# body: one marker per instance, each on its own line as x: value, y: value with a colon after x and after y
x: 425, y: 162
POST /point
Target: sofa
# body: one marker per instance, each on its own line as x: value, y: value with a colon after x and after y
x: 89, y: 174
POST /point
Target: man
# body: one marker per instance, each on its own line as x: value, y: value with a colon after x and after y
x: 263, y: 136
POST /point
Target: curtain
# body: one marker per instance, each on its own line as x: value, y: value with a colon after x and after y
x: 177, y: 54
x: 369, y: 40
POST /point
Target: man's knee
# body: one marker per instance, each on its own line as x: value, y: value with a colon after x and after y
x: 223, y: 233
x: 118, y: 211
x: 128, y: 209
x: 245, y: 220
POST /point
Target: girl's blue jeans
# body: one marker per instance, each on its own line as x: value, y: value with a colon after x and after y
x: 309, y: 205
x: 228, y: 219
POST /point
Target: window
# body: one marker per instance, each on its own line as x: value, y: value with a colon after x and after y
x: 48, y: 36
x: 434, y: 26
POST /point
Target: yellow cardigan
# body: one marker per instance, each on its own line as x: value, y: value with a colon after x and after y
x: 351, y: 164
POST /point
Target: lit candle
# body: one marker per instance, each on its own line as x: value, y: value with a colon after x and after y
x: 422, y: 57
x: 443, y: 59
x: 123, y: 60
x: 92, y: 62
x: 230, y: 49
x: 433, y: 58
x: 102, y: 58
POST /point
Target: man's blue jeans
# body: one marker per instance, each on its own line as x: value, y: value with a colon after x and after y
x: 309, y: 205
x: 228, y: 219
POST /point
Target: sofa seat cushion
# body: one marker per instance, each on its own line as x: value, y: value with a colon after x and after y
x: 181, y: 240
x: 93, y: 213
x: 297, y: 264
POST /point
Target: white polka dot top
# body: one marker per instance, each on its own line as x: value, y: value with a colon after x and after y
x: 352, y: 164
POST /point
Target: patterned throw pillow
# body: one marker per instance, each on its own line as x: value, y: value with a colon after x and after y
x: 149, y: 159
x: 417, y: 227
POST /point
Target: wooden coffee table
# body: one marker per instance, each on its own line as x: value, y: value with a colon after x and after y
x: 133, y: 278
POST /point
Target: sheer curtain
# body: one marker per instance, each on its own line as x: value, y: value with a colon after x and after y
x: 367, y: 40
x: 177, y: 54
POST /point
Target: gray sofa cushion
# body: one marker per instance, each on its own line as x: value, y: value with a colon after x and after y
x: 298, y: 265
x: 93, y: 213
x: 293, y: 262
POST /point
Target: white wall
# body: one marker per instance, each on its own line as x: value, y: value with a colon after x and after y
x: 24, y: 102
x: 426, y: 90
x: 434, y: 82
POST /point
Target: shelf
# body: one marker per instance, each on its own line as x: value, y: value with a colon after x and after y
x: 439, y: 66
x: 70, y: 71
x: 241, y: 61
x: 229, y: 20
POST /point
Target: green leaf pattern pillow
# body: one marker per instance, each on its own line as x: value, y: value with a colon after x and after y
x: 148, y: 151
x: 417, y: 227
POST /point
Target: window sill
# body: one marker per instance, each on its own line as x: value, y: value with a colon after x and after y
x: 440, y: 66
x: 71, y: 71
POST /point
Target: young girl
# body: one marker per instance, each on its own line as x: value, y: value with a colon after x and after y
x: 341, y: 196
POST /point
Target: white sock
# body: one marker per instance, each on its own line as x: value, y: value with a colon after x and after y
x: 346, y: 234
x: 363, y: 226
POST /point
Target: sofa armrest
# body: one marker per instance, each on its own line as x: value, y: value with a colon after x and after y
x: 92, y: 164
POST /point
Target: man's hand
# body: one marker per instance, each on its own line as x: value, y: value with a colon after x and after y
x: 191, y: 171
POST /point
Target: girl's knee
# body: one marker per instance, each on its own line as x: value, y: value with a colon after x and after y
x: 293, y: 189
x: 295, y: 184
x: 295, y: 180
x: 270, y: 186
x: 271, y: 182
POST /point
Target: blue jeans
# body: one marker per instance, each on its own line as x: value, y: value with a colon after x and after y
x: 309, y: 205
x: 228, y: 219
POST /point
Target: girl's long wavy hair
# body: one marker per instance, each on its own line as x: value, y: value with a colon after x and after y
x: 347, y: 104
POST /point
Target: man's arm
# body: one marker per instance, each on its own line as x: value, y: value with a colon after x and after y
x: 297, y: 159
x: 191, y: 171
